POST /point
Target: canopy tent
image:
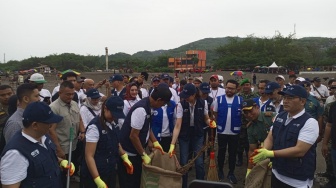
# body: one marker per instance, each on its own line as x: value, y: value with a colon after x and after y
x: 274, y: 65
x: 274, y: 68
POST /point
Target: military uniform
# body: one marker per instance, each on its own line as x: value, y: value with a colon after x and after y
x: 329, y: 166
x: 313, y: 107
x: 3, y: 119
x: 258, y: 130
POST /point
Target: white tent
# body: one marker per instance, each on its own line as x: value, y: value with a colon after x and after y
x: 274, y: 65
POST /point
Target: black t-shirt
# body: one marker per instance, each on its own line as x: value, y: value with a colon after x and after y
x: 332, y: 120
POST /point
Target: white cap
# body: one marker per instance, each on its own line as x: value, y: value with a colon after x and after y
x: 300, y: 79
x: 220, y: 78
x: 280, y: 76
x: 37, y: 78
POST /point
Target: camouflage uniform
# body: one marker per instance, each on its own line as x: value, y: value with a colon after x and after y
x: 3, y: 119
x: 259, y: 129
x: 329, y: 166
x: 243, y: 138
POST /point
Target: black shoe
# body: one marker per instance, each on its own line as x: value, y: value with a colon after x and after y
x: 220, y: 175
x: 239, y: 163
x: 232, y: 178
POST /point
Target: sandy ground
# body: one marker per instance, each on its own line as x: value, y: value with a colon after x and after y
x: 240, y: 171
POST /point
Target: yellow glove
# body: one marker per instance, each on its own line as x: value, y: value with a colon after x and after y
x: 145, y: 158
x: 157, y: 145
x: 100, y: 183
x: 171, y: 150
x: 65, y: 165
x: 248, y: 172
x: 127, y: 163
x: 270, y: 164
x: 212, y: 124
x: 260, y: 155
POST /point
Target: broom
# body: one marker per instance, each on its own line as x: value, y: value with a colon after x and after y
x: 212, y: 172
x: 184, y: 169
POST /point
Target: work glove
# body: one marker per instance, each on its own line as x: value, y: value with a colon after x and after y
x: 260, y: 155
x: 248, y: 172
x: 270, y: 164
x: 171, y: 151
x: 127, y: 163
x: 100, y: 183
x: 212, y: 124
x: 145, y: 158
x: 157, y: 145
x: 65, y: 165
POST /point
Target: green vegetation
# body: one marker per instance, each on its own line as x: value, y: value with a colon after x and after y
x: 227, y: 52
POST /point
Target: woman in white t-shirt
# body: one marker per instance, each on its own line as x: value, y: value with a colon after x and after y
x: 131, y: 96
x: 91, y: 107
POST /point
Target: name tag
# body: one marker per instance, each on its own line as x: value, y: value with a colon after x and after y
x: 35, y: 153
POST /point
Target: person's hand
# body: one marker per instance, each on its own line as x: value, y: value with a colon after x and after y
x: 158, y: 146
x: 319, y: 139
x: 248, y: 172
x: 100, y: 183
x: 212, y: 124
x: 171, y: 150
x: 260, y: 155
x: 60, y: 153
x: 65, y: 165
x: 145, y: 158
x: 325, y: 150
x: 81, y: 136
x: 127, y: 163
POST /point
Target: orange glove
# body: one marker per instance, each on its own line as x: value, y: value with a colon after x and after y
x: 212, y: 124
x: 127, y: 163
x: 157, y: 145
x: 65, y: 165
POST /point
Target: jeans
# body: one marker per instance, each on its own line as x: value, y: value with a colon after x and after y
x: 230, y: 141
x: 333, y: 160
x: 196, y: 144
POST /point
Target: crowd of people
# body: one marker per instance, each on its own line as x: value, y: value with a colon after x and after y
x: 103, y: 139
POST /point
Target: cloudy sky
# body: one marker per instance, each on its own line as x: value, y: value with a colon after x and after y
x: 42, y: 27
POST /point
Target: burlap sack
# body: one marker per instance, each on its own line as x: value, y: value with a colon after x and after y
x: 260, y: 176
x: 161, y: 172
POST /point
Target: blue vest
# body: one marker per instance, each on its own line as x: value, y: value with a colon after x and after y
x: 263, y: 107
x: 106, y: 155
x: 222, y: 112
x: 43, y: 169
x: 286, y: 136
x: 188, y: 131
x: 125, y: 131
x: 121, y: 94
x: 157, y: 120
x: 270, y: 108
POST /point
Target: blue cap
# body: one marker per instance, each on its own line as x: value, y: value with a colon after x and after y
x: 155, y: 78
x: 165, y: 76
x: 304, y: 84
x: 295, y: 90
x: 40, y: 112
x: 116, y: 77
x: 204, y: 87
x: 270, y: 87
x: 115, y: 105
x: 93, y: 93
x: 188, y: 90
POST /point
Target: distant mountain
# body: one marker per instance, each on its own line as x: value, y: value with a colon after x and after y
x: 210, y: 44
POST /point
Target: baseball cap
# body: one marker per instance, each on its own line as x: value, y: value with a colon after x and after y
x: 188, y: 90
x: 215, y: 76
x: 199, y: 79
x: 280, y: 76
x: 204, y: 87
x: 40, y: 112
x: 317, y: 79
x: 301, y: 79
x: 220, y: 78
x: 304, y: 84
x: 295, y: 90
x: 163, y: 92
x: 115, y: 105
x: 37, y: 78
x: 155, y: 78
x: 116, y: 77
x: 270, y: 87
x: 165, y: 76
x: 93, y: 93
x: 248, y: 104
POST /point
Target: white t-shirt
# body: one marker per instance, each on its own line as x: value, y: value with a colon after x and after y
x: 322, y: 89
x: 56, y: 89
x: 179, y: 111
x: 13, y: 165
x: 86, y: 115
x: 174, y: 97
x: 308, y: 134
x: 44, y: 93
x: 128, y: 104
x: 92, y: 133
x: 216, y: 93
x: 330, y: 99
x: 79, y: 94
x: 227, y: 129
x: 277, y: 108
x: 144, y: 92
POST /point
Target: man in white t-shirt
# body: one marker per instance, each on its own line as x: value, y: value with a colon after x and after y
x: 320, y: 91
x: 215, y: 90
x: 291, y: 142
x: 227, y: 111
x: 39, y: 80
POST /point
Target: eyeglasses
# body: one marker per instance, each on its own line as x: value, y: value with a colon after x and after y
x: 230, y: 88
x: 290, y: 98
